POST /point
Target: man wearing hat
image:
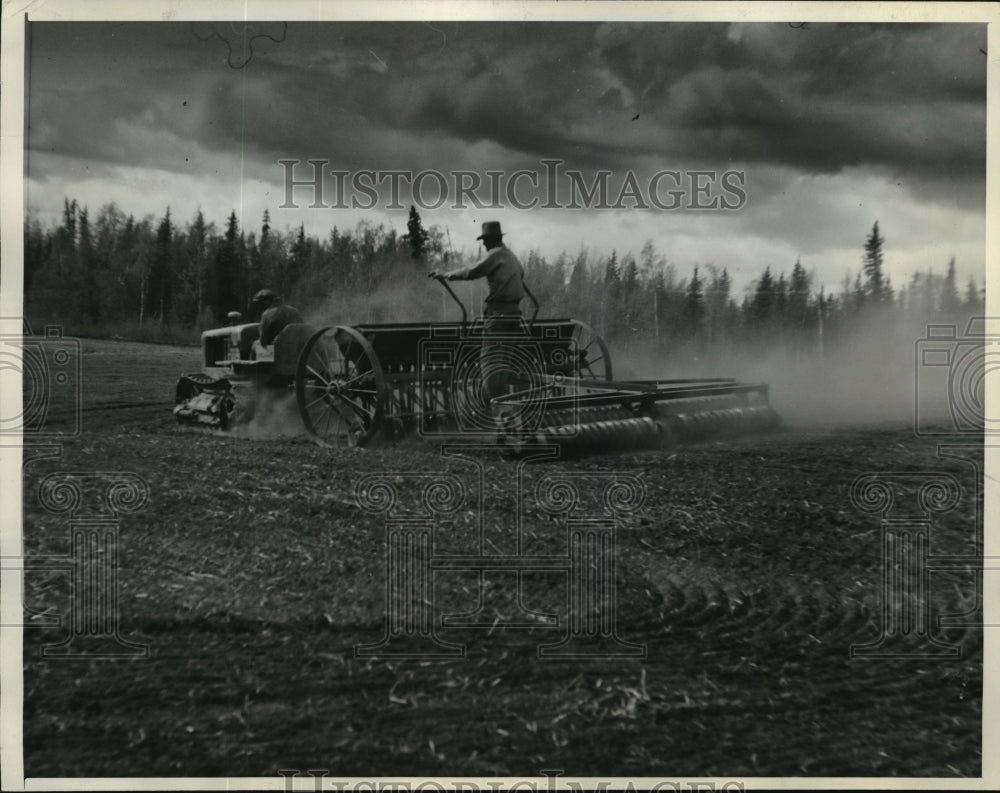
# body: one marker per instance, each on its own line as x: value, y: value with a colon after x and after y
x: 502, y: 271
x: 502, y: 307
x: 274, y: 315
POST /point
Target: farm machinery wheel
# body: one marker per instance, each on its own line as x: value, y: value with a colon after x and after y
x: 593, y: 353
x: 340, y: 387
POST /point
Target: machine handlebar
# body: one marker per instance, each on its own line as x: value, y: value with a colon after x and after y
x: 444, y: 282
x: 533, y: 300
x: 465, y: 314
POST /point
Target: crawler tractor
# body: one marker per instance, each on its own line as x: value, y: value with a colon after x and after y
x: 353, y: 384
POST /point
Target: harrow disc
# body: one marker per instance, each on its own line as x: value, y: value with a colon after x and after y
x: 591, y: 430
x: 639, y: 432
x: 695, y: 425
x: 586, y: 415
x: 340, y: 388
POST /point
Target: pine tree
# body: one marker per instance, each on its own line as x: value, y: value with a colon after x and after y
x: 930, y: 292
x: 860, y: 293
x: 416, y: 235
x: 35, y: 253
x: 798, y: 301
x: 950, y: 300
x: 261, y: 257
x: 298, y: 258
x: 159, y: 281
x: 762, y: 306
x: 972, y: 302
x: 694, y: 306
x: 198, y: 259
x: 65, y: 245
x: 609, y: 299
x: 874, y: 278
x: 717, y: 298
x: 658, y: 286
x: 87, y: 294
x: 822, y: 307
x: 578, y: 286
x: 225, y: 266
x: 913, y: 292
x: 629, y: 299
x: 781, y: 300
x: 68, y: 230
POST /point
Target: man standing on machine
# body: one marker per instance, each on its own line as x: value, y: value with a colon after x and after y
x: 502, y: 307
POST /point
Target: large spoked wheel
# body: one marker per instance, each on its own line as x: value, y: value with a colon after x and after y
x: 592, y: 353
x: 340, y: 387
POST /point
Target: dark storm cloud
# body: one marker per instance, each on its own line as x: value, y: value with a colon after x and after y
x: 510, y: 85
x: 820, y: 98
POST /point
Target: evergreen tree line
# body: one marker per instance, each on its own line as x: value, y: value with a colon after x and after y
x: 180, y: 278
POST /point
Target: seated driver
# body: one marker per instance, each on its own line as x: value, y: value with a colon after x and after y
x: 275, y: 316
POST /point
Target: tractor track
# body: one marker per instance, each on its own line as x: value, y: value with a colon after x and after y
x: 790, y: 614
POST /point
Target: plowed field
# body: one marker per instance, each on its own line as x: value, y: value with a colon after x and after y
x: 252, y: 574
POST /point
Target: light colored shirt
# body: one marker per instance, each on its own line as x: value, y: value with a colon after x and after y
x: 502, y: 271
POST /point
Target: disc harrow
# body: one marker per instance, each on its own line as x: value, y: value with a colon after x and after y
x: 611, y: 415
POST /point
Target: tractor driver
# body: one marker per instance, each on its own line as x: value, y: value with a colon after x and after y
x: 502, y: 307
x: 274, y: 315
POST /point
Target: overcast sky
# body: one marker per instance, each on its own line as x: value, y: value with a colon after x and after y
x: 834, y: 127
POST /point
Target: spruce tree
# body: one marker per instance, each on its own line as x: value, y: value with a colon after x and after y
x: 694, y: 305
x: 873, y: 259
x: 225, y: 271
x: 158, y: 283
x: 416, y: 235
x: 950, y: 301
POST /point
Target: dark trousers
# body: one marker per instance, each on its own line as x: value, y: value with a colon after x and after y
x: 497, y: 364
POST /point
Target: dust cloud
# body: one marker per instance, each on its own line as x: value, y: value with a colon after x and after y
x: 273, y: 414
x: 870, y: 373
x: 409, y: 296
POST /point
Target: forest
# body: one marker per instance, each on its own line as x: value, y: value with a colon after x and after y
x: 167, y: 280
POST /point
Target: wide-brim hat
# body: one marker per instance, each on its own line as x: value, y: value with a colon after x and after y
x: 491, y: 228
